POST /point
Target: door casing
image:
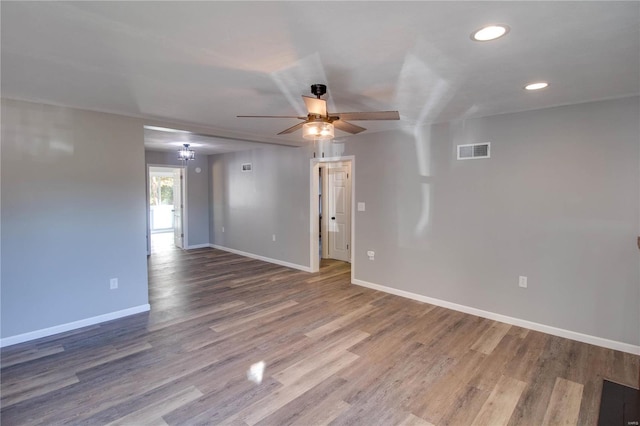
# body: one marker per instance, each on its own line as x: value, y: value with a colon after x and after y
x: 178, y: 206
x: 327, y: 225
x: 185, y: 222
x: 314, y: 226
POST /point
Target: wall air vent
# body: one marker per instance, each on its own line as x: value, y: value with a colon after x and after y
x: 246, y: 167
x: 474, y: 151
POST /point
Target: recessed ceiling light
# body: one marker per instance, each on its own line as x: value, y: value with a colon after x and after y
x: 536, y: 86
x: 490, y: 32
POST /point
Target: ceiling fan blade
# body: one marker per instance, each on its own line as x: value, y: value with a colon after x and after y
x: 315, y: 105
x: 348, y: 127
x: 372, y: 115
x: 292, y: 129
x: 271, y: 116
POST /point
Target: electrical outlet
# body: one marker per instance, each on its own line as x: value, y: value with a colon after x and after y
x: 273, y: 237
x: 113, y: 283
x: 371, y: 254
x: 522, y: 281
x: 223, y: 229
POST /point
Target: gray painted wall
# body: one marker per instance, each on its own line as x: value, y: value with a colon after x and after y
x: 271, y: 199
x: 197, y: 192
x: 558, y: 202
x: 73, y: 215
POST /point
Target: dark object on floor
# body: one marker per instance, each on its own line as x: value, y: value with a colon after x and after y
x: 620, y: 405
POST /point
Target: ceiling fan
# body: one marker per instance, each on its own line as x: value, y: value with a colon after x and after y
x: 319, y: 123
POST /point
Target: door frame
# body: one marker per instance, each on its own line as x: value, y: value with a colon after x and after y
x: 314, y: 226
x: 185, y: 242
x: 324, y: 224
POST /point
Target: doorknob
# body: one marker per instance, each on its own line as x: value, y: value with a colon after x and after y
x: 333, y: 218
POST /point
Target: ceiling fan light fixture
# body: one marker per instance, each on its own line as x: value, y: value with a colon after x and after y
x: 186, y: 154
x: 319, y: 124
x: 490, y: 32
x: 318, y: 130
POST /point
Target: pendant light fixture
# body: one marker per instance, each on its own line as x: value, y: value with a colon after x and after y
x: 186, y: 154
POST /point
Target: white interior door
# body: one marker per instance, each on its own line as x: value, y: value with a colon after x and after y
x: 178, y: 208
x: 338, y: 212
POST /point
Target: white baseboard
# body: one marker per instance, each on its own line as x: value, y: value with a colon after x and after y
x: 264, y: 259
x: 32, y: 335
x: 568, y: 334
x: 198, y: 246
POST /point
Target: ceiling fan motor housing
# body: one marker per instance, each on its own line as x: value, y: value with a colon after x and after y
x: 318, y: 89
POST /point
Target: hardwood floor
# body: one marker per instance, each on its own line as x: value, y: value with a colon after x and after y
x: 335, y: 353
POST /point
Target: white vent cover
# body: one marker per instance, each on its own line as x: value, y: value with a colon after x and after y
x: 246, y: 167
x: 474, y: 151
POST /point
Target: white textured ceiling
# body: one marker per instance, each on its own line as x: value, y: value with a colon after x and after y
x: 199, y: 64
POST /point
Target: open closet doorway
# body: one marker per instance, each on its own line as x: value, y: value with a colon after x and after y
x: 165, y: 202
x: 332, y: 206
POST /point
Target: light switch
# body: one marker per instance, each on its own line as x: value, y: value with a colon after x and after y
x: 360, y: 207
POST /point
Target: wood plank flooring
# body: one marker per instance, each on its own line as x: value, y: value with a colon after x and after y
x: 335, y: 353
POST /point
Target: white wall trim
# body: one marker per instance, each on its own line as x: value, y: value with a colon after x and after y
x: 568, y: 334
x: 183, y: 190
x: 263, y: 258
x: 314, y: 259
x: 185, y: 204
x: 198, y: 246
x: 45, y: 332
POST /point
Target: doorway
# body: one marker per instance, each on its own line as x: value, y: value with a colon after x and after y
x: 332, y: 210
x: 165, y: 201
x: 335, y: 210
